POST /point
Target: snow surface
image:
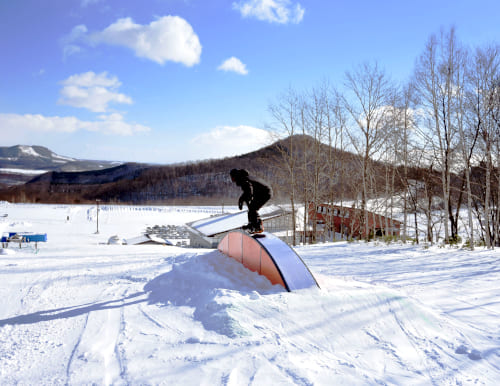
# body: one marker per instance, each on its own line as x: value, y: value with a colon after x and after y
x: 79, y: 311
x: 22, y: 171
x: 29, y: 151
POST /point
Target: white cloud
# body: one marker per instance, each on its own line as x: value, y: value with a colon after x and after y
x: 40, y: 72
x: 71, y: 42
x: 71, y: 49
x: 24, y: 125
x: 114, y: 124
x: 92, y: 91
x: 273, y: 11
x: 86, y: 3
x: 235, y: 65
x: 169, y: 38
x: 225, y: 141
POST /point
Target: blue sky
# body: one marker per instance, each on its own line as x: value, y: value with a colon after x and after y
x: 167, y: 81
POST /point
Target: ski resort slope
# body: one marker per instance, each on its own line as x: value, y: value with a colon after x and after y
x: 78, y: 311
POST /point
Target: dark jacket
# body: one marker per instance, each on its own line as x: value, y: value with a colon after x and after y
x: 253, y: 190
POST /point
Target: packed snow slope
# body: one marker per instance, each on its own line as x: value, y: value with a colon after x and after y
x: 78, y: 311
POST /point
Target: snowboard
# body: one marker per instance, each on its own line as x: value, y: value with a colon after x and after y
x: 255, y: 235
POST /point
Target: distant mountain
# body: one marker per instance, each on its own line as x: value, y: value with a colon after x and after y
x: 19, y: 164
x: 127, y: 171
x: 198, y: 183
x: 202, y: 182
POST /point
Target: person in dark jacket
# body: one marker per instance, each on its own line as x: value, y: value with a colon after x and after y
x: 255, y: 195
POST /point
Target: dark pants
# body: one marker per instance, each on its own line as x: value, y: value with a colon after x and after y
x: 255, y: 205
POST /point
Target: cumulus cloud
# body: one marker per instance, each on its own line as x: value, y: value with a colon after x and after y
x: 169, y: 38
x: 235, y: 65
x: 24, y: 125
x: 115, y: 124
x: 273, y: 11
x: 92, y: 91
x: 225, y: 141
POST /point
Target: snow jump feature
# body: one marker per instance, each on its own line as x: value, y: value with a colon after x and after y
x: 268, y: 256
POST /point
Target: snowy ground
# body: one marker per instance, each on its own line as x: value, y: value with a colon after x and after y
x: 82, y: 312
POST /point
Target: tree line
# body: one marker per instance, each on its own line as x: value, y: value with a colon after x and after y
x: 196, y: 183
x: 428, y: 147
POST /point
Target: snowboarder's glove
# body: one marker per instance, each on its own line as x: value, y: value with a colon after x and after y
x: 240, y: 203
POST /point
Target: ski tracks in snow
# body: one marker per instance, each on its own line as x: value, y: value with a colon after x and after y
x: 97, y: 353
x: 100, y: 352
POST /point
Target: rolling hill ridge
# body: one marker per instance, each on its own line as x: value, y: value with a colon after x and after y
x: 20, y: 163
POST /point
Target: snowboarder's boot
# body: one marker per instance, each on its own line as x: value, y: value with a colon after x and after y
x: 247, y: 227
x: 252, y: 229
x: 259, y: 228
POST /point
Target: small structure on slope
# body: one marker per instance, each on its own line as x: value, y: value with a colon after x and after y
x: 208, y: 232
x: 147, y: 239
x: 23, y: 238
x: 352, y: 222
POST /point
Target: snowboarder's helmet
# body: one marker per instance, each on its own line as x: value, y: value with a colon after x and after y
x: 238, y: 174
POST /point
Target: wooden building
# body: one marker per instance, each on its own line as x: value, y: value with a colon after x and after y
x: 351, y: 222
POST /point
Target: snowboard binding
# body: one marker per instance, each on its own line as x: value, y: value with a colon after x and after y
x: 252, y: 229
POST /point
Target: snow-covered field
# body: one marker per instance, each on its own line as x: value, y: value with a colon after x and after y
x: 78, y: 311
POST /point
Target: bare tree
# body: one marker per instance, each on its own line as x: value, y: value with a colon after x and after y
x: 395, y: 154
x: 484, y: 102
x: 366, y: 100
x: 317, y: 129
x: 337, y: 121
x: 286, y: 120
x: 408, y: 124
x: 438, y: 79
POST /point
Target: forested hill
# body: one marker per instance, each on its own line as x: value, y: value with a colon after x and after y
x: 319, y: 173
x: 205, y: 182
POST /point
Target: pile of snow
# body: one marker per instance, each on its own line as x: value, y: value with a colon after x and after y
x: 79, y: 311
x: 115, y: 240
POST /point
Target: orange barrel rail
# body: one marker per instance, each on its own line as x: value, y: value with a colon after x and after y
x: 268, y: 256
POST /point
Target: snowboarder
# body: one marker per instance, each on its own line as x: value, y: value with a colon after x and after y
x: 255, y: 195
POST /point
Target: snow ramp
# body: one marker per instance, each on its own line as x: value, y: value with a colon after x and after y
x: 267, y: 255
